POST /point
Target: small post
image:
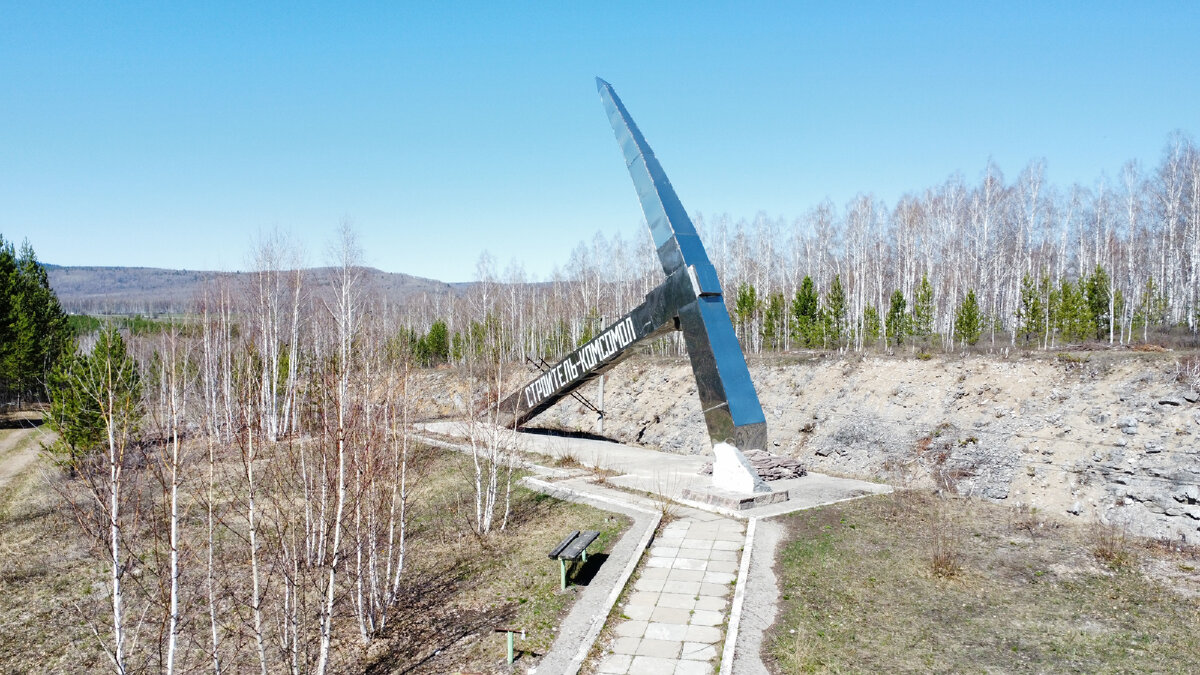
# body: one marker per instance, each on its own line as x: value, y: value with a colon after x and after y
x: 600, y: 418
x: 562, y: 568
x: 510, y: 647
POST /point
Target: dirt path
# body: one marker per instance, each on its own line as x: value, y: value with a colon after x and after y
x: 19, y: 446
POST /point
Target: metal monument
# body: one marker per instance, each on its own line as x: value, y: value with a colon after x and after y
x: 689, y: 300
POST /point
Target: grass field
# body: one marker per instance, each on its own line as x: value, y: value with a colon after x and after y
x: 914, y: 582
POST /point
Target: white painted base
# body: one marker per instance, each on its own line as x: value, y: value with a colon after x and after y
x: 733, y: 472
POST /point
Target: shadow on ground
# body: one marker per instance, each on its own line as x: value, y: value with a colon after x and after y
x: 566, y: 433
x: 581, y: 574
x: 16, y: 422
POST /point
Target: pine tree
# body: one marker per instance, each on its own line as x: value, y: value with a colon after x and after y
x: 968, y: 323
x: 870, y: 324
x: 1030, y: 313
x: 745, y: 308
x: 897, y: 318
x: 34, y: 333
x: 1072, y: 316
x: 1096, y: 290
x: 8, y: 319
x: 834, y: 315
x: 805, y: 314
x: 922, y: 311
x: 90, y: 391
x: 774, y: 322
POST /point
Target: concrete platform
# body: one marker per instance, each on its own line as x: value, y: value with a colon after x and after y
x: 669, y: 474
x: 736, y: 501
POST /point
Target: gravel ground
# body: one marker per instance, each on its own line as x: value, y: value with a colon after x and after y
x: 759, y: 609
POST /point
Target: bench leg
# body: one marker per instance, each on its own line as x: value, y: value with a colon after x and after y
x: 585, y: 556
x: 510, y: 648
x: 562, y: 569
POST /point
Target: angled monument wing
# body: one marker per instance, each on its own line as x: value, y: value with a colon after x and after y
x: 689, y: 300
x: 673, y: 232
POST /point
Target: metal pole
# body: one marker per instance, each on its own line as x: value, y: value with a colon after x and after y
x: 600, y: 419
x: 510, y: 648
x: 562, y: 569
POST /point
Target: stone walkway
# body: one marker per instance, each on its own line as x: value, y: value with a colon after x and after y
x: 674, y: 617
x: 672, y: 621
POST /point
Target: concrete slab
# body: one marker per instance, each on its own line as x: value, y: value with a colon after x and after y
x: 649, y: 665
x: 671, y: 615
x: 708, y: 634
x: 698, y: 651
x: 689, y: 667
x: 615, y: 663
x: 669, y: 474
x: 633, y: 629
x: 666, y: 649
x: 666, y: 631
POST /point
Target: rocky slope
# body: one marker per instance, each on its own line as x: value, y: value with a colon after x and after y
x: 1100, y: 435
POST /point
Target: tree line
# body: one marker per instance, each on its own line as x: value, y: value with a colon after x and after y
x: 1024, y: 261
x: 34, y: 332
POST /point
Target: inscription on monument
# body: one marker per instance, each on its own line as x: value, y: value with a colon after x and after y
x: 582, y: 361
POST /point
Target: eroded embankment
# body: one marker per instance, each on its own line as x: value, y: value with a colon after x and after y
x: 1099, y: 435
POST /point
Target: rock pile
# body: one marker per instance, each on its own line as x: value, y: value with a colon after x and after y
x: 769, y: 467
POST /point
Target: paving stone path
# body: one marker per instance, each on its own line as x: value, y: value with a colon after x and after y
x: 672, y: 621
x: 674, y: 618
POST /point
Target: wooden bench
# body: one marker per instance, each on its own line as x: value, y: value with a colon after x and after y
x: 573, y: 547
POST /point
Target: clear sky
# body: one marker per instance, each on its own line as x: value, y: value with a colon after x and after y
x: 169, y: 134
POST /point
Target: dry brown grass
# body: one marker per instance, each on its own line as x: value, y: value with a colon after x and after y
x: 1187, y: 371
x: 1112, y: 546
x: 457, y: 587
x: 861, y: 592
x: 944, y: 546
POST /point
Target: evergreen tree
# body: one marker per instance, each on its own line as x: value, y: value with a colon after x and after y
x: 968, y: 322
x: 922, y: 311
x: 90, y: 391
x: 870, y: 324
x: 834, y: 315
x: 774, y: 322
x: 1097, y: 290
x: 897, y: 318
x: 434, y: 347
x: 34, y: 332
x: 805, y: 314
x: 745, y: 307
x: 1071, y: 317
x: 457, y: 349
x: 1031, y: 314
x: 9, y: 284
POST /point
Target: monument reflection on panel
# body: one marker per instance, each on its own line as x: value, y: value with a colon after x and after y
x: 690, y: 300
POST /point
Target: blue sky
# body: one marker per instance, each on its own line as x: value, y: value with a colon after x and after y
x: 170, y: 134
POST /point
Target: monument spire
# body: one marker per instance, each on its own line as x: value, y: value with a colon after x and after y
x: 689, y: 300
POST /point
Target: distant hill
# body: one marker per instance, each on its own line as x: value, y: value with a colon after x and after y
x: 151, y: 290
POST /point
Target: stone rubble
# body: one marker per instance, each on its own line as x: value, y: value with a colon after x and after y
x: 770, y: 467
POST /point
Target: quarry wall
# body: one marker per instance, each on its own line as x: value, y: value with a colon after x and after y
x: 1110, y: 436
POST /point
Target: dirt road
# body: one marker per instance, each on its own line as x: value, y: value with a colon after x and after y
x: 21, y: 435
